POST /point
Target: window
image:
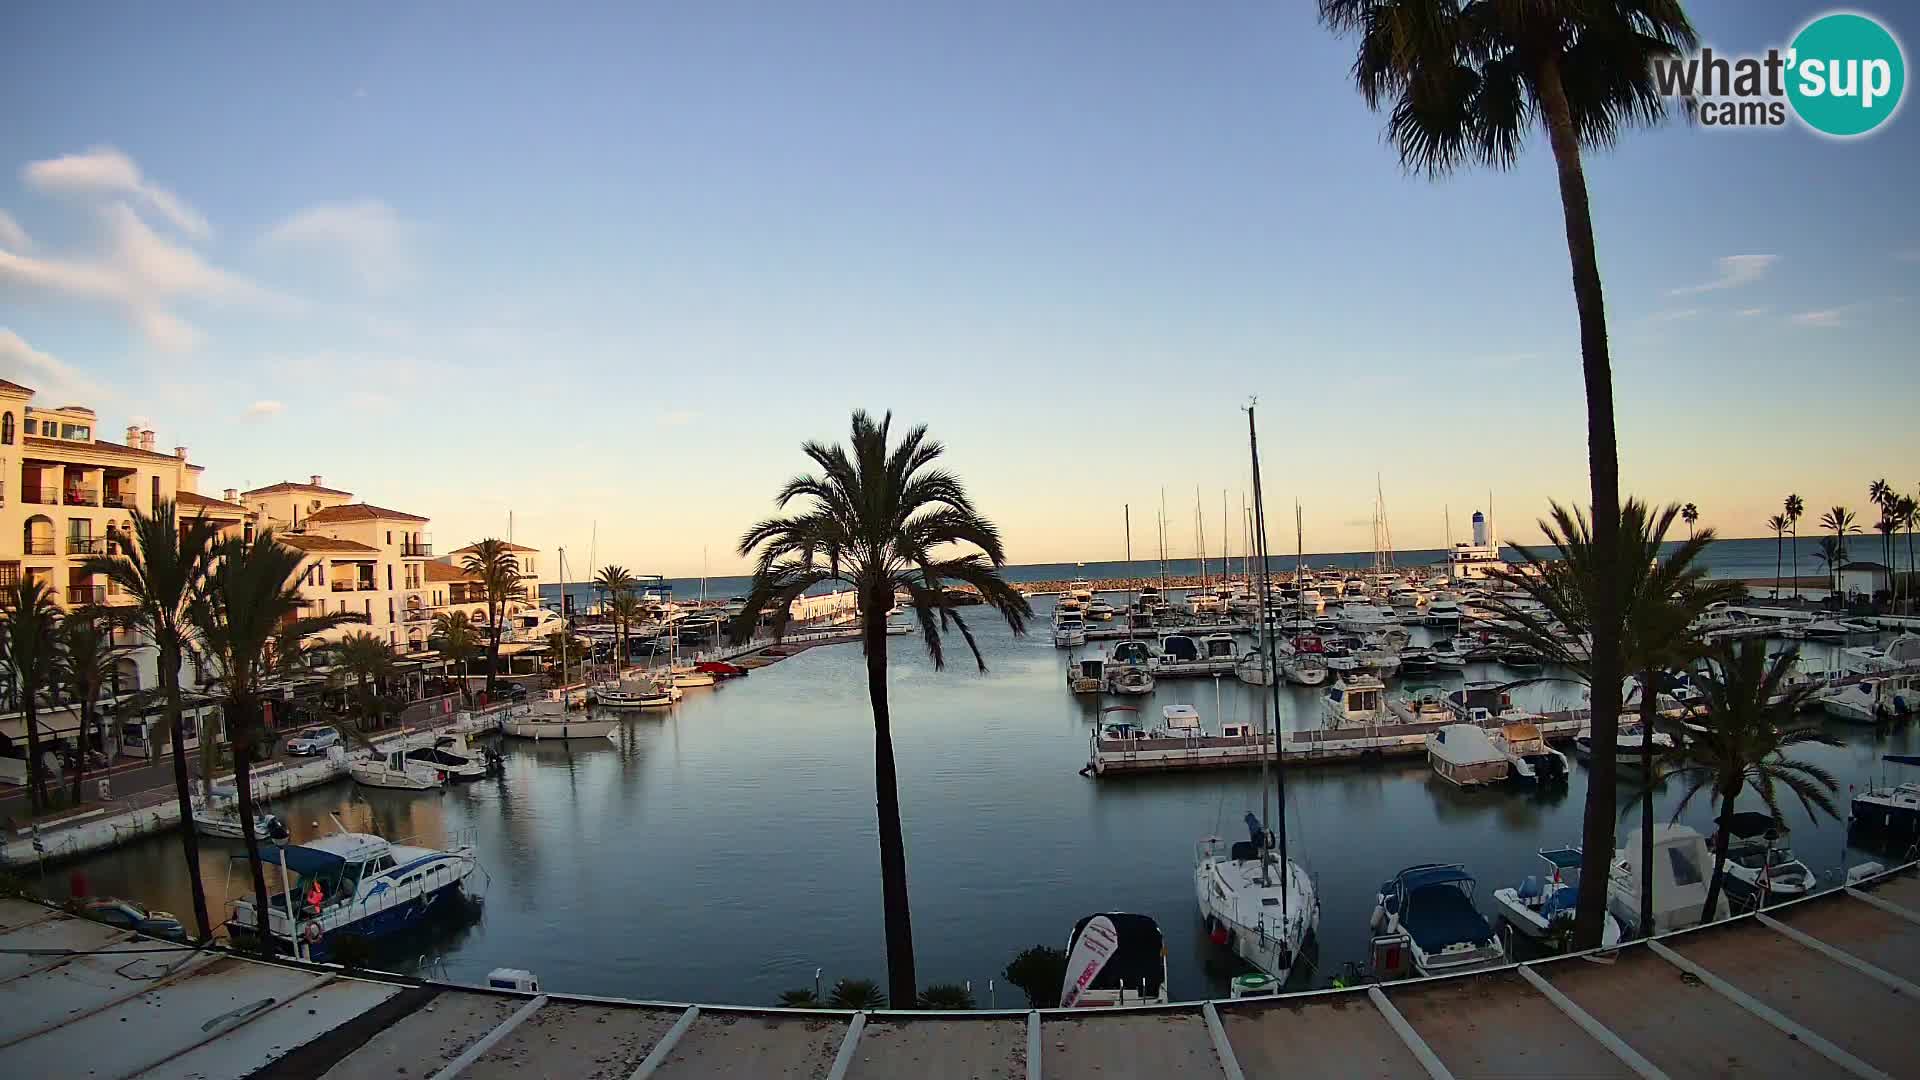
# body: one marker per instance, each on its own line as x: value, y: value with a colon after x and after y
x: 389, y: 570
x: 6, y: 429
x: 389, y: 609
x: 389, y: 537
x: 156, y: 495
x: 1684, y: 871
x: 369, y: 605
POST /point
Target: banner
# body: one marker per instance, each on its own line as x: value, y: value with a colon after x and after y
x: 1097, y: 941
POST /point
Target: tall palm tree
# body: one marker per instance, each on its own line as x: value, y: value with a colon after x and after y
x: 459, y: 639
x: 366, y: 659
x: 163, y: 571
x: 87, y: 661
x: 1778, y: 523
x: 1690, y: 514
x: 1659, y: 598
x: 1888, y: 527
x: 1749, y: 720
x: 613, y: 580
x: 881, y: 519
x: 1908, y: 511
x: 248, y: 623
x: 33, y: 666
x: 1467, y: 81
x: 1838, y: 521
x: 626, y: 610
x: 1884, y: 497
x: 1830, y: 554
x: 493, y: 562
x: 1795, y: 508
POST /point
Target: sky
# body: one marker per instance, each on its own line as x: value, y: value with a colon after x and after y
x: 604, y: 269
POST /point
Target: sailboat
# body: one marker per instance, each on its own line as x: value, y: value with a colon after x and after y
x: 1254, y: 899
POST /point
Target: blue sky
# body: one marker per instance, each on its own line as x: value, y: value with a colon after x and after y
x: 610, y: 266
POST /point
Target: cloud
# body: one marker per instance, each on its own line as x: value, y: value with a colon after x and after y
x: 1750, y: 312
x: 674, y: 418
x: 1674, y: 316
x: 141, y: 273
x: 260, y: 410
x: 47, y: 375
x: 1824, y: 317
x: 368, y: 236
x: 106, y: 171
x: 1734, y: 271
x: 12, y: 236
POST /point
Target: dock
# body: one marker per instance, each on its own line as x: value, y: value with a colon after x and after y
x: 1322, y: 746
x: 1828, y: 985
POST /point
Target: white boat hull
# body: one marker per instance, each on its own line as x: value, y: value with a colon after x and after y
x: 1269, y: 942
x: 583, y: 728
x: 377, y: 775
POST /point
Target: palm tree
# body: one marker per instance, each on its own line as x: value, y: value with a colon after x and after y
x: 1795, y: 507
x: 1887, y: 527
x: 613, y: 580
x: 1778, y: 523
x: 1908, y: 511
x: 626, y: 610
x: 881, y: 519
x: 493, y: 562
x: 1830, y: 554
x: 458, y: 640
x: 1690, y: 514
x: 1749, y: 721
x: 33, y: 666
x: 857, y: 994
x: 248, y: 623
x: 1884, y: 497
x: 1659, y: 598
x: 367, y: 660
x: 163, y: 571
x: 1838, y: 521
x: 1467, y: 81
x: 87, y: 661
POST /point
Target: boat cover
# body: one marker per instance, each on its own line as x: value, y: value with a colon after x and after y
x: 1440, y: 915
x: 310, y: 862
x: 1138, y: 959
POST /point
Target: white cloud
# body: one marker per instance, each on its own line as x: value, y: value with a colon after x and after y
x: 368, y: 236
x: 142, y: 274
x: 106, y: 171
x: 1750, y: 312
x: 260, y: 410
x: 54, y: 379
x: 1734, y: 271
x: 1674, y: 316
x: 1822, y: 318
x: 12, y: 236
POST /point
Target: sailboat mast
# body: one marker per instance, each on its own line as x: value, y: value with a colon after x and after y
x: 1133, y: 594
x: 1267, y: 717
x: 1200, y: 535
x: 563, y: 627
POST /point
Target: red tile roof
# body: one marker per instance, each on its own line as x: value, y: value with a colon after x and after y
x: 359, y: 512
x: 306, y: 542
x: 439, y: 571
x: 15, y: 387
x: 288, y: 485
x: 103, y: 446
x: 202, y: 502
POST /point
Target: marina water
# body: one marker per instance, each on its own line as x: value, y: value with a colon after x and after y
x: 723, y: 851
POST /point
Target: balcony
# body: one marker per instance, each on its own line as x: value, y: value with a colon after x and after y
x: 86, y: 594
x: 117, y: 500
x: 40, y: 547
x: 40, y: 496
x: 416, y: 549
x: 417, y: 615
x: 78, y: 496
x: 352, y: 586
x: 85, y: 545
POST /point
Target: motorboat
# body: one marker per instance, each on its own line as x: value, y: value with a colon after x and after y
x: 1355, y: 701
x: 685, y: 676
x: 1420, y: 705
x: 1901, y: 653
x: 1530, y: 761
x: 1522, y: 657
x: 1303, y: 659
x: 1446, y: 654
x: 1176, y: 649
x: 1886, y: 817
x: 636, y: 693
x: 1826, y: 630
x: 1080, y: 591
x: 218, y: 815
x: 1481, y: 703
x: 1362, y: 618
x: 1871, y: 700
x: 1130, y: 654
x: 1681, y: 867
x: 1115, y: 958
x: 1538, y: 903
x: 1760, y: 866
x: 1442, y: 613
x: 364, y: 886
x: 900, y: 628
x: 1219, y: 647
x: 452, y: 754
x: 1463, y: 755
x: 1260, y: 906
x: 1099, y: 610
x: 1088, y: 675
x: 560, y: 715
x: 1255, y: 669
x: 1129, y: 680
x: 1627, y: 749
x: 1428, y: 912
x: 1417, y: 660
x: 396, y: 770
x: 1069, y: 629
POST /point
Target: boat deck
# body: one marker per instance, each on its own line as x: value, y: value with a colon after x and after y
x: 1818, y: 987
x: 1321, y: 746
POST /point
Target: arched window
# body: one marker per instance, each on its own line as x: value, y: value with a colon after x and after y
x: 6, y: 429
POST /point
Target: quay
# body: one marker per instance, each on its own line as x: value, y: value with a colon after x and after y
x: 1322, y: 746
x: 1826, y: 985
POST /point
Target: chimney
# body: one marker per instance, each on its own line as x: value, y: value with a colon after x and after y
x: 146, y: 439
x: 180, y: 452
x: 133, y: 436
x: 232, y: 495
x: 315, y: 480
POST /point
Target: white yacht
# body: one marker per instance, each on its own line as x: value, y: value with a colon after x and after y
x: 684, y: 676
x: 1069, y: 629
x: 1539, y: 902
x: 452, y: 754
x: 1530, y: 761
x: 1421, y: 705
x: 1303, y: 659
x: 396, y: 770
x: 1254, y: 902
x: 1364, y: 618
x: 1871, y: 700
x: 1099, y: 610
x: 219, y: 816
x: 1255, y: 669
x: 1901, y: 653
x: 1681, y: 867
x: 1355, y: 701
x: 1463, y: 755
x: 561, y: 714
x: 1442, y: 613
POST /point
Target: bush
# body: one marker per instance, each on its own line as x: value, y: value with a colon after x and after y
x: 1038, y: 973
x: 857, y: 994
x: 946, y: 996
x: 799, y: 999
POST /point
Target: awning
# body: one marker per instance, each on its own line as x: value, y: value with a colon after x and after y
x: 309, y: 862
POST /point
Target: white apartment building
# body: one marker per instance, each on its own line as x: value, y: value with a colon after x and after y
x: 360, y: 558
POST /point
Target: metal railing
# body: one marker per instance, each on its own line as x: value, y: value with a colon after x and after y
x: 41, y: 496
x: 83, y: 497
x: 40, y: 547
x: 85, y: 545
x: 417, y: 549
x: 9, y: 576
x: 86, y: 594
x: 117, y: 500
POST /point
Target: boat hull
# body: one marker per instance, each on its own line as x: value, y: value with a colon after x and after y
x: 558, y: 729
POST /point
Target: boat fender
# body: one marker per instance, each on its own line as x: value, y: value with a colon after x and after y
x: 312, y: 933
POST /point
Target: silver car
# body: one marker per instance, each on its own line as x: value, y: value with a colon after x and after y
x: 314, y: 740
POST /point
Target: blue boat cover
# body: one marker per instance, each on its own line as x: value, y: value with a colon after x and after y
x: 310, y: 862
x: 1440, y: 915
x: 1419, y: 877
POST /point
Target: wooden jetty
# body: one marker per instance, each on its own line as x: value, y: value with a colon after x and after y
x: 1323, y: 746
x: 1822, y: 986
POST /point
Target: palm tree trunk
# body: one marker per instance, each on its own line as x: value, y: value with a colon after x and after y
x: 1603, y: 462
x: 36, y: 770
x: 80, y: 759
x: 1649, y: 708
x: 241, y: 713
x: 1776, y: 565
x: 1724, y: 823
x: 901, y: 982
x: 1795, y: 534
x: 182, y: 788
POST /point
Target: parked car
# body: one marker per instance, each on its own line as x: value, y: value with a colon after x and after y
x: 128, y: 915
x: 314, y: 740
